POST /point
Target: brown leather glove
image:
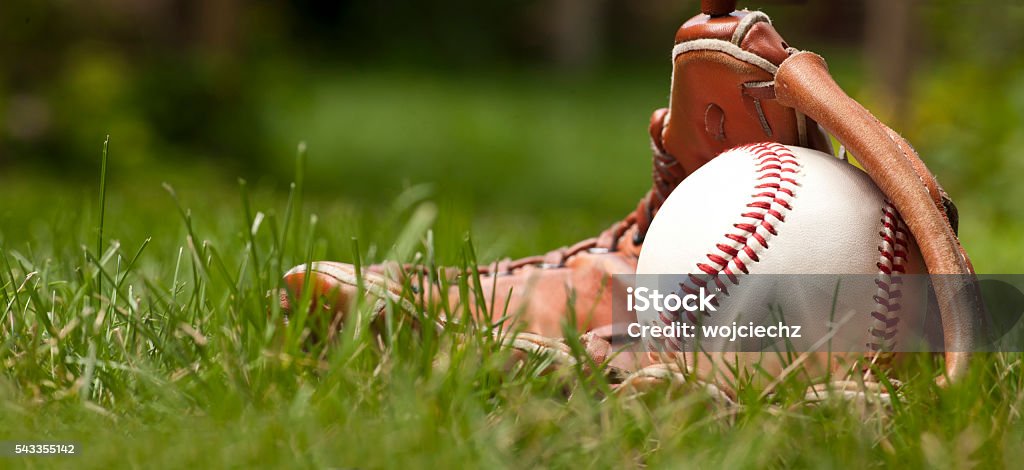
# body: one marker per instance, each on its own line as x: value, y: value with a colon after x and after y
x: 735, y: 81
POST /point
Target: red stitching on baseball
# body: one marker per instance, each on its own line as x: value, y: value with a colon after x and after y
x: 893, y: 253
x: 885, y: 320
x: 761, y: 239
x: 739, y: 264
x: 707, y: 269
x: 727, y: 249
x: 718, y: 259
x: 737, y: 250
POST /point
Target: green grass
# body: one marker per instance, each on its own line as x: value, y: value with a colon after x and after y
x: 162, y: 345
x: 174, y: 355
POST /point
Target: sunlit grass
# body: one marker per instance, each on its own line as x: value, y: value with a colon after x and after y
x: 163, y: 344
x: 170, y: 350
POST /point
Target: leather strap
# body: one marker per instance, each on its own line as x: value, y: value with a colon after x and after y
x: 803, y: 83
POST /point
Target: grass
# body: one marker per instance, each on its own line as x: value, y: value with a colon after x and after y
x: 162, y: 344
x: 155, y: 357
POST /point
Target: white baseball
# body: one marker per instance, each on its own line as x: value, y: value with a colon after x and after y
x: 775, y: 209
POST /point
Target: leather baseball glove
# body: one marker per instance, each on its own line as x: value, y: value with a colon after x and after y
x: 735, y: 81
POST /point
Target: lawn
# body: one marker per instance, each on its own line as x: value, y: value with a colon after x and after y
x: 140, y: 319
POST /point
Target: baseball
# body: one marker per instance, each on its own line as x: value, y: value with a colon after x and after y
x: 786, y: 238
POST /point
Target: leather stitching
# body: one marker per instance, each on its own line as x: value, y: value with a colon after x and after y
x: 717, y: 45
x: 746, y: 23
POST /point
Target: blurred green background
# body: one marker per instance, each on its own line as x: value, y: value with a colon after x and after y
x: 525, y: 121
